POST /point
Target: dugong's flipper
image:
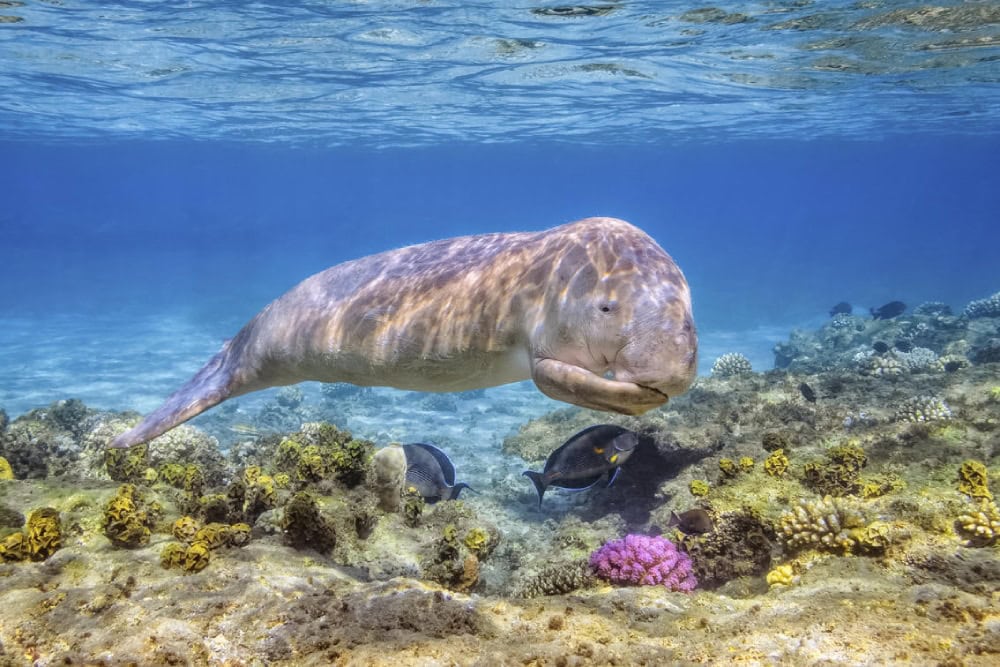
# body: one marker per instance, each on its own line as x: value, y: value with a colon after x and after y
x: 209, y: 387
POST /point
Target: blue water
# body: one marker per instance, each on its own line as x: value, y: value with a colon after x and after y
x: 169, y: 169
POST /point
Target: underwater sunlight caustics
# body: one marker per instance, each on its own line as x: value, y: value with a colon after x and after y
x: 594, y: 312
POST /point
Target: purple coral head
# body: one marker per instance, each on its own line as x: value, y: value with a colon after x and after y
x: 642, y: 560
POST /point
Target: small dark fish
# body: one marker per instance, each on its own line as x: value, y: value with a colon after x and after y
x: 880, y: 347
x: 692, y: 522
x: 888, y: 311
x: 584, y: 459
x: 807, y: 392
x: 430, y: 473
x: 842, y: 308
x: 903, y: 345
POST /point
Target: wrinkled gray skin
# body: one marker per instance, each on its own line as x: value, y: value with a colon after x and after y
x: 594, y: 312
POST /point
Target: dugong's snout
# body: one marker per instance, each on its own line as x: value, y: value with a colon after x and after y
x: 666, y: 361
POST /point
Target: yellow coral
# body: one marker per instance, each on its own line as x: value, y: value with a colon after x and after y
x: 185, y: 528
x: 251, y: 475
x: 282, y: 480
x: 239, y: 534
x: 13, y: 548
x: 973, y: 480
x: 126, y: 523
x: 6, y: 472
x: 173, y: 555
x: 746, y: 464
x: 776, y: 465
x: 44, y: 536
x: 197, y: 557
x: 698, y: 487
x: 995, y: 393
x: 173, y: 474
x: 150, y: 475
x: 783, y: 575
x: 194, y: 479
x: 310, y: 467
x: 728, y: 467
x: 476, y: 539
x: 875, y: 537
x: 213, y: 535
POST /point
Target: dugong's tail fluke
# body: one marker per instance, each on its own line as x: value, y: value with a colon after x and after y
x: 209, y: 387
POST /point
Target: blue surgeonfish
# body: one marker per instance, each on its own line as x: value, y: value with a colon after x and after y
x: 430, y: 473
x: 593, y: 454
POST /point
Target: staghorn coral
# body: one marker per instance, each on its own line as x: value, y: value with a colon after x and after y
x: 880, y: 366
x: 982, y: 526
x: 919, y: 360
x: 831, y: 525
x: 918, y: 409
x: 643, y: 560
x: 555, y: 579
x: 731, y: 364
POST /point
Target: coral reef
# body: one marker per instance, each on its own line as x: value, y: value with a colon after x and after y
x: 839, y: 474
x: 6, y: 472
x: 988, y: 307
x: 923, y: 409
x: 555, y: 579
x: 776, y: 464
x: 127, y: 465
x: 973, y: 480
x: 643, y: 560
x: 389, y: 474
x: 739, y: 546
x: 832, y: 525
x: 731, y: 364
x: 128, y: 517
x: 43, y: 535
x: 305, y: 527
x: 982, y: 525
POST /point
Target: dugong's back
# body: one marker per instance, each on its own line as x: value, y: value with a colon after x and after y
x: 449, y: 315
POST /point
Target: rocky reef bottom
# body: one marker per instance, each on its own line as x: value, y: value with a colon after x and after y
x: 839, y: 510
x: 267, y: 604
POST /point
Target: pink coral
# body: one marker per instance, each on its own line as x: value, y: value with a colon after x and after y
x: 644, y: 561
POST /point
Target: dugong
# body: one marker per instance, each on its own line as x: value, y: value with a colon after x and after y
x: 594, y: 312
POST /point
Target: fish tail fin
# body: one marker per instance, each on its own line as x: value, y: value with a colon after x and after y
x: 538, y: 480
x: 210, y: 386
x: 455, y: 490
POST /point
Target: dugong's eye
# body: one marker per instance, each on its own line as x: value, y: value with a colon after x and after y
x: 607, y: 306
